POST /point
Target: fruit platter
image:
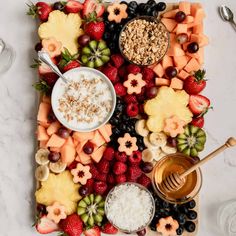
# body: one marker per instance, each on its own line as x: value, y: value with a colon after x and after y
x: 131, y: 104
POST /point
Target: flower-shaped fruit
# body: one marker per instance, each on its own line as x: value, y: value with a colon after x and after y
x: 166, y: 104
x: 134, y: 83
x: 174, y: 126
x: 117, y: 12
x: 59, y: 188
x: 56, y: 212
x: 64, y: 28
x: 81, y: 174
x: 167, y: 226
x: 127, y: 144
x: 52, y: 46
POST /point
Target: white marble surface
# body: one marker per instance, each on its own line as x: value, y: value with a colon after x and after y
x: 18, y: 112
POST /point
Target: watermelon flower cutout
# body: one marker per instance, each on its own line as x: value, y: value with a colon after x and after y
x: 127, y: 144
x: 56, y: 212
x: 134, y: 83
x: 81, y: 174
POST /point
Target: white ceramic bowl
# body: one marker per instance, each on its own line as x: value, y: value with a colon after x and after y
x: 57, y: 92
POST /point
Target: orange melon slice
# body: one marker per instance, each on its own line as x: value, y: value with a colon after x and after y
x: 198, y: 29
x: 170, y: 14
x: 175, y: 51
x: 183, y: 75
x: 42, y: 133
x: 185, y: 7
x: 169, y: 23
x: 181, y: 62
x: 80, y: 146
x: 102, y: 130
x: 46, y: 99
x: 192, y: 65
x: 76, y: 142
x: 97, y: 155
x: 181, y: 28
x: 98, y: 139
x: 69, y: 142
x: 43, y: 144
x: 84, y: 158
x: 44, y: 124
x: 194, y: 7
x: 109, y: 129
x: 188, y: 20
x: 67, y: 154
x: 162, y: 82
x: 55, y: 141
x: 55, y: 149
x: 53, y: 128
x: 166, y: 62
x: 176, y: 83
x: 80, y: 136
x: 158, y: 70
x: 44, y: 109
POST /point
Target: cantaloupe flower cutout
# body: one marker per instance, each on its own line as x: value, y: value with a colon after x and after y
x: 174, y: 126
x: 56, y: 212
x: 81, y: 174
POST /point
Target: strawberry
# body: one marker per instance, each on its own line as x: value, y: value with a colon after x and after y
x: 120, y: 156
x: 199, y: 104
x: 196, y: 83
x: 90, y: 185
x: 134, y: 172
x: 109, y: 153
x: 120, y: 179
x: 42, y: 67
x: 71, y: 65
x: 111, y: 73
x: 135, y: 158
x: 73, y: 166
x: 95, y: 231
x: 110, y: 179
x: 122, y: 72
x: 117, y: 60
x: 108, y: 228
x: 132, y: 109
x: 144, y: 180
x: 93, y: 5
x: 133, y: 69
x: 198, y: 121
x: 50, y: 78
x: 129, y: 98
x: 46, y: 226
x: 103, y: 166
x: 73, y: 6
x: 40, y: 9
x: 119, y: 168
x: 120, y: 89
x: 148, y: 74
x: 94, y: 27
x: 100, y: 188
x: 72, y: 225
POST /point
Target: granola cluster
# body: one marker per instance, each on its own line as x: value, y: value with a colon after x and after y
x: 86, y: 101
x: 144, y: 42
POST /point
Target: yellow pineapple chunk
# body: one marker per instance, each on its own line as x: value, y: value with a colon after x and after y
x: 64, y: 28
x: 167, y: 103
x: 59, y: 188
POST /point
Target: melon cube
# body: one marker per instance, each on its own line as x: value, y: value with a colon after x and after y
x: 181, y: 28
x: 181, y: 62
x: 44, y: 124
x: 55, y: 141
x: 69, y: 142
x: 183, y: 75
x: 103, y: 131
x: 169, y: 23
x: 42, y: 133
x: 67, y: 154
x: 53, y: 128
x: 192, y: 65
x: 175, y: 51
x: 98, y: 139
x: 201, y: 56
x: 80, y: 146
x: 194, y: 7
x: 43, y: 144
x: 76, y: 142
x: 201, y: 39
x: 170, y: 14
x: 55, y: 149
x: 80, y: 136
x: 108, y: 128
x: 188, y: 20
x: 162, y: 82
x: 176, y: 83
x: 198, y: 29
x: 166, y: 62
x: 199, y: 15
x: 185, y: 7
x: 44, y: 109
x: 158, y: 70
x: 97, y: 155
x: 46, y: 99
x: 84, y: 158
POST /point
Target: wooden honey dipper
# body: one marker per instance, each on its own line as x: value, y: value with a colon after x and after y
x: 175, y: 181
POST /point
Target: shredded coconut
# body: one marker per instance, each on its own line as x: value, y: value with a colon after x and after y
x: 129, y: 207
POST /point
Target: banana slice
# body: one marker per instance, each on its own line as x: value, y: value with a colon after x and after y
x: 148, y: 144
x: 141, y: 128
x: 148, y: 155
x: 41, y: 156
x: 57, y: 167
x: 42, y: 173
x: 168, y: 150
x: 158, y: 154
x: 158, y: 139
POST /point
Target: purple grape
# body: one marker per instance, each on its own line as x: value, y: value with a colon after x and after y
x: 180, y: 16
x: 63, y: 133
x: 88, y: 148
x: 54, y: 157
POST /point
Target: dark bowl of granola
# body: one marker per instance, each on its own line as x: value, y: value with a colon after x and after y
x: 144, y: 40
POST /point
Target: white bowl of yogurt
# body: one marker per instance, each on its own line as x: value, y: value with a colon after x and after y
x: 86, y: 102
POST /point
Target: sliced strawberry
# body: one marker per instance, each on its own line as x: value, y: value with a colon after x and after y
x: 46, y: 226
x: 91, y: 6
x: 95, y: 231
x: 199, y: 104
x: 198, y: 121
x: 44, y: 69
x: 108, y: 228
x: 73, y: 6
x: 71, y: 65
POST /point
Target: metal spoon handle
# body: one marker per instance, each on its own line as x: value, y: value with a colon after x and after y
x: 233, y: 24
x: 45, y: 58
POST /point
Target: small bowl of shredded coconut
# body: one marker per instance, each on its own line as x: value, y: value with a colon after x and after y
x: 129, y: 207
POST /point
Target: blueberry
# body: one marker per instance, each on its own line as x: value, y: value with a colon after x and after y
x: 131, y: 12
x: 151, y: 3
x: 114, y: 121
x: 154, y: 12
x: 191, y: 204
x: 182, y: 221
x: 111, y: 26
x: 133, y: 5
x: 124, y: 117
x: 119, y: 107
x: 190, y: 226
x: 116, y: 131
x: 141, y: 148
x: 147, y: 10
x: 58, y: 6
x: 192, y: 215
x: 123, y: 2
x: 106, y: 36
x: 165, y: 204
x: 153, y: 225
x: 180, y: 230
x: 183, y: 209
x: 141, y: 7
x: 123, y: 127
x: 161, y: 6
x: 105, y: 15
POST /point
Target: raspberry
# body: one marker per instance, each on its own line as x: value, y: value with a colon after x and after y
x: 117, y: 60
x: 141, y: 108
x: 110, y: 179
x: 120, y: 179
x: 119, y: 168
x: 133, y: 69
x: 122, y: 72
x: 120, y: 89
x: 111, y: 72
x: 148, y: 74
x: 134, y: 172
x: 109, y: 153
x: 100, y: 187
x: 73, y: 165
x: 120, y: 156
x: 90, y: 184
x: 130, y: 99
x: 132, y: 109
x: 93, y: 170
x: 101, y: 177
x: 150, y: 84
x: 135, y: 158
x: 144, y: 180
x: 103, y: 166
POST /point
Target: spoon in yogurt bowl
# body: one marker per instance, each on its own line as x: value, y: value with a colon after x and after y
x: 45, y: 58
x: 227, y: 15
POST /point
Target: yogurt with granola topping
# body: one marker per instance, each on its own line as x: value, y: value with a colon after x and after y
x: 86, y: 102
